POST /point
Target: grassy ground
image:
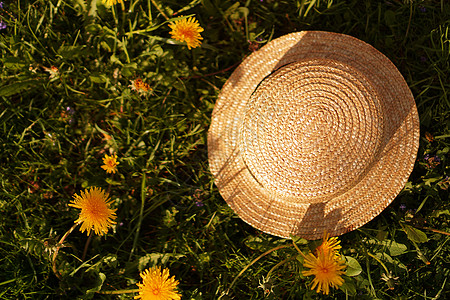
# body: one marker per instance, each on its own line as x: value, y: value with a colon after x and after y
x: 55, y: 131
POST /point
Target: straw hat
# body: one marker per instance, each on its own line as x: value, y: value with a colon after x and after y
x: 314, y: 132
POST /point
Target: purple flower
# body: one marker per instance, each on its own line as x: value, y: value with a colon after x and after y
x: 422, y: 8
x: 199, y: 203
x: 2, y: 25
x: 402, y: 206
x: 70, y: 110
x: 432, y: 160
x: 1, y: 4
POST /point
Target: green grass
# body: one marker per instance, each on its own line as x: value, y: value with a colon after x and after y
x: 54, y: 133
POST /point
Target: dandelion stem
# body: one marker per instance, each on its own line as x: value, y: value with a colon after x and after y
x: 298, y: 249
x: 86, y: 246
x: 159, y: 9
x: 369, y: 278
x: 118, y: 292
x: 141, y: 215
x: 435, y: 230
x: 279, y: 264
x: 377, y: 259
x: 253, y: 261
x: 59, y: 245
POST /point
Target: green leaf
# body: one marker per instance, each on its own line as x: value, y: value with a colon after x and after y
x: 254, y: 242
x: 14, y: 63
x: 353, y: 267
x: 169, y: 217
x: 80, y: 6
x: 396, y: 248
x: 93, y: 10
x: 415, y: 234
x: 384, y: 257
x: 443, y: 151
x: 348, y: 286
x: 110, y: 260
x: 157, y: 50
x: 94, y: 29
x: 244, y: 11
x: 430, y: 181
x: 231, y: 9
x: 113, y: 182
x: 438, y: 213
x: 98, y: 284
x: 70, y: 52
x: 115, y: 60
x: 298, y: 240
x: 17, y: 87
x: 393, y: 247
x: 99, y: 79
x: 129, y: 69
x: 382, y: 235
x: 156, y: 259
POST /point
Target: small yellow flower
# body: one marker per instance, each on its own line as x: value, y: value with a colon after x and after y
x: 157, y: 285
x: 110, y: 163
x: 326, y: 265
x: 96, y: 213
x: 139, y: 86
x: 326, y: 268
x: 187, y: 30
x: 111, y: 2
x: 329, y: 245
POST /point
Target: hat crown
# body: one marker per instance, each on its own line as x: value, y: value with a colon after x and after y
x: 311, y: 130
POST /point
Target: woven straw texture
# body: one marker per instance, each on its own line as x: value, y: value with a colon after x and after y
x: 315, y: 132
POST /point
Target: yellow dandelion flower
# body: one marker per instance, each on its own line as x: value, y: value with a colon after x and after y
x: 111, y: 2
x: 157, y: 285
x: 326, y: 268
x: 110, y: 163
x: 96, y: 213
x: 187, y: 30
x: 329, y: 245
x: 139, y: 86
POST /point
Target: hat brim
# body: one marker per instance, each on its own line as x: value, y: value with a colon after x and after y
x: 355, y: 206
